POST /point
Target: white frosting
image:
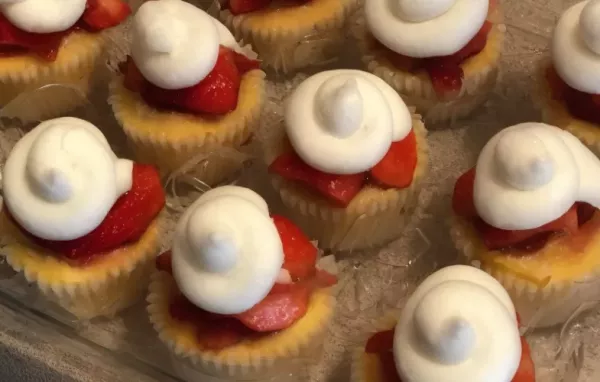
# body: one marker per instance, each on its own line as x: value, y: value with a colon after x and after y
x: 344, y: 121
x: 227, y: 253
x: 425, y: 28
x: 175, y: 44
x: 43, y: 16
x: 459, y: 325
x: 576, y: 47
x: 61, y: 179
x: 530, y: 174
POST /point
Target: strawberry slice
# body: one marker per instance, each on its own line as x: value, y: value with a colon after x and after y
x: 526, y: 371
x: 339, y: 189
x: 462, y: 197
x: 133, y: 79
x: 15, y: 41
x: 380, y: 342
x: 163, y: 262
x: 277, y: 311
x: 244, y: 63
x: 125, y: 223
x: 581, y: 105
x: 397, y: 167
x: 300, y: 253
x: 103, y: 14
x: 216, y: 94
x: 238, y: 7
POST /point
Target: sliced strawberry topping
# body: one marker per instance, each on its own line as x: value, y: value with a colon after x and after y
x: 237, y: 7
x: 397, y: 167
x: 15, y: 41
x: 103, y: 14
x: 125, y: 223
x: 526, y: 371
x: 380, y: 342
x: 244, y: 64
x: 581, y: 105
x: 133, y: 79
x: 462, y: 197
x: 163, y: 262
x: 339, y: 189
x: 300, y: 253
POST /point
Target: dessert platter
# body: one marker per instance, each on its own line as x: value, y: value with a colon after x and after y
x: 303, y: 190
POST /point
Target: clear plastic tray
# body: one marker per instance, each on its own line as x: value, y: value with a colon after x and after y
x: 371, y: 283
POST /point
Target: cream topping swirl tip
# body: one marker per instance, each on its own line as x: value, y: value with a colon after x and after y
x: 425, y: 28
x: 530, y: 174
x: 447, y: 330
x: 61, y: 179
x: 576, y: 46
x: 43, y: 16
x: 227, y: 253
x: 344, y: 121
x: 175, y: 44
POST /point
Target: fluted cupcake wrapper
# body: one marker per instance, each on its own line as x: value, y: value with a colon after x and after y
x: 110, y: 284
x: 169, y: 140
x: 74, y: 68
x: 540, y: 303
x: 480, y: 74
x: 294, y: 38
x: 258, y: 359
x: 374, y: 217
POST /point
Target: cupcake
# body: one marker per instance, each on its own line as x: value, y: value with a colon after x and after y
x: 188, y: 91
x: 290, y: 35
x: 46, y: 42
x: 348, y: 160
x: 440, y: 56
x: 459, y: 325
x: 239, y: 295
x: 78, y: 222
x: 571, y: 97
x: 527, y: 214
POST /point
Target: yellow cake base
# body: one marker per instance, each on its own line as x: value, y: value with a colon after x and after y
x: 480, y: 74
x: 293, y: 38
x: 169, y: 140
x: 256, y: 359
x: 373, y: 218
x: 74, y: 67
x: 108, y: 285
x: 546, y: 288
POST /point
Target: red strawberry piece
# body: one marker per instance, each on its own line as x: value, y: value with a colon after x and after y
x: 300, y: 253
x: 462, y: 197
x: 339, y: 189
x: 581, y: 105
x: 585, y: 212
x: 125, y: 223
x: 397, y: 167
x: 244, y: 64
x: 380, y: 342
x: 163, y: 262
x: 15, y: 41
x: 324, y: 279
x: 476, y: 45
x: 237, y: 7
x: 526, y: 371
x: 388, y: 366
x: 103, y: 14
x: 216, y: 94
x: 133, y: 79
x: 277, y: 311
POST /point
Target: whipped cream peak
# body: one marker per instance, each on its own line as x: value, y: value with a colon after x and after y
x: 61, y: 179
x: 417, y: 11
x: 344, y: 121
x: 589, y: 25
x: 164, y: 35
x: 425, y: 28
x: 43, y: 16
x: 227, y: 253
x: 340, y: 106
x: 447, y: 330
x: 530, y: 174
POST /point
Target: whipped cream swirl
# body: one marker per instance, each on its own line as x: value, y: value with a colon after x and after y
x: 227, y: 253
x: 459, y: 325
x: 175, y: 44
x: 344, y: 121
x: 530, y: 174
x: 576, y: 47
x: 62, y: 178
x: 425, y: 28
x: 43, y: 16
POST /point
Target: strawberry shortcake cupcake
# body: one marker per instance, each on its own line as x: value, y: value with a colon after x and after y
x: 442, y: 56
x: 348, y: 159
x: 187, y: 91
x: 459, y: 325
x: 571, y: 97
x: 527, y: 213
x: 78, y: 222
x: 47, y: 42
x: 239, y: 295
